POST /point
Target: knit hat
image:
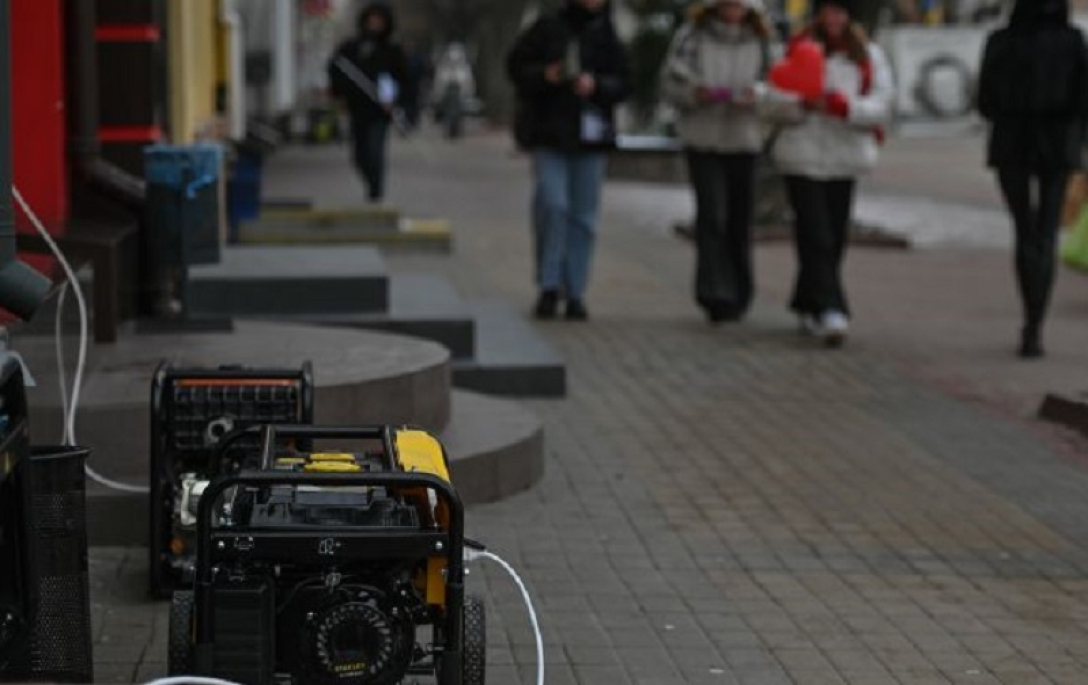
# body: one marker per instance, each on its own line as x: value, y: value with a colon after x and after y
x: 381, y: 9
x: 1029, y: 13
x: 851, y: 6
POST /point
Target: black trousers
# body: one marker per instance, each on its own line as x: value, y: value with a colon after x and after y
x: 369, y: 139
x: 821, y: 212
x: 724, y: 197
x: 1035, y: 201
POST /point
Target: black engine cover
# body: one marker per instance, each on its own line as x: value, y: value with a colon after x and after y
x: 350, y: 636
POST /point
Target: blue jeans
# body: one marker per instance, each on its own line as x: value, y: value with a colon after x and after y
x: 565, y: 205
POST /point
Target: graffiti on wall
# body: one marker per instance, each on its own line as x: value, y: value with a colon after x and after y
x: 936, y: 70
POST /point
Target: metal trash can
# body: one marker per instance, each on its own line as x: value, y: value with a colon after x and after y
x: 183, y: 218
x: 59, y: 646
x: 16, y: 605
x: 244, y: 189
x: 183, y: 201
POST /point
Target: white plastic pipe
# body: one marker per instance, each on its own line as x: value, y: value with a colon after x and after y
x: 232, y: 20
x: 284, y: 69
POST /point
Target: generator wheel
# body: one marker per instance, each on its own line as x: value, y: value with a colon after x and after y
x: 180, y: 637
x: 474, y: 667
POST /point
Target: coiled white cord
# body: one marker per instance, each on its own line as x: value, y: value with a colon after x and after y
x: 70, y: 403
x: 474, y: 554
x: 62, y: 372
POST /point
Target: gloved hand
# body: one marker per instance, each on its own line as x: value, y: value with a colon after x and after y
x: 836, y: 104
x: 713, y: 96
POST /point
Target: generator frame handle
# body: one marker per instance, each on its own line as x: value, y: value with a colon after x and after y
x: 455, y: 574
x: 270, y: 433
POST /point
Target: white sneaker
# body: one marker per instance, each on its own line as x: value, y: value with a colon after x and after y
x: 809, y: 325
x: 833, y: 328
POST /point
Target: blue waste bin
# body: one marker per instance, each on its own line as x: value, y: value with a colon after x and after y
x: 183, y: 203
x: 244, y: 189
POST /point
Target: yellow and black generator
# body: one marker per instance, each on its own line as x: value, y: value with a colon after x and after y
x: 329, y: 556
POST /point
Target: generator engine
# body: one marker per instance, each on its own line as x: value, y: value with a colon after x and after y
x: 320, y: 568
x: 192, y: 410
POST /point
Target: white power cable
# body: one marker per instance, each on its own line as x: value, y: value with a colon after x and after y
x: 62, y: 372
x: 472, y: 555
x: 190, y: 680
x: 70, y: 403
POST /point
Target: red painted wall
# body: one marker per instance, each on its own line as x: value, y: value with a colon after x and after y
x: 38, y: 106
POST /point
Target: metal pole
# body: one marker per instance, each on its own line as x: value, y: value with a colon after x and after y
x: 83, y: 81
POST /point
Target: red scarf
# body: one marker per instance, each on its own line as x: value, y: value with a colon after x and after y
x: 865, y: 67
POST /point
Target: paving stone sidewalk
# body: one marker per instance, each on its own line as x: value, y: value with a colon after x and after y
x: 732, y: 505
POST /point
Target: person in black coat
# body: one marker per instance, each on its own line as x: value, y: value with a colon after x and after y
x: 369, y: 74
x: 1033, y: 89
x: 570, y: 72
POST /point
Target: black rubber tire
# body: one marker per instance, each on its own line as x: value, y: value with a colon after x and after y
x: 474, y: 665
x: 180, y: 651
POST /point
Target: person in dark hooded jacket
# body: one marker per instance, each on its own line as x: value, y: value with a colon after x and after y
x: 570, y: 72
x: 1033, y: 89
x: 368, y: 73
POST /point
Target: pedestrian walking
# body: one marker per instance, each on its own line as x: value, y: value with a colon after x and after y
x: 369, y: 74
x: 454, y: 85
x: 712, y: 75
x: 570, y: 72
x: 825, y: 142
x: 1033, y: 90
x: 417, y: 71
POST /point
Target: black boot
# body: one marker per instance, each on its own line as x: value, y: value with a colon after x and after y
x: 1031, y: 344
x: 723, y: 312
x: 576, y: 311
x: 547, y: 305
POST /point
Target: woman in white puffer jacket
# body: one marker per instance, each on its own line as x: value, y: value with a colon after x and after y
x: 713, y: 77
x: 824, y: 144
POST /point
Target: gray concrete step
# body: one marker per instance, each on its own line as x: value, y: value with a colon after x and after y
x: 512, y: 359
x: 389, y: 379
x: 290, y: 280
x: 497, y: 352
x: 414, y: 235
x: 420, y: 305
x: 496, y: 450
x: 296, y: 215
x: 494, y: 349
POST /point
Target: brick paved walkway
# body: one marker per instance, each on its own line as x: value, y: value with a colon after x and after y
x: 733, y: 506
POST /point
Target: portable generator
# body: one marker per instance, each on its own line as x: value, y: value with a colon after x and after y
x: 329, y: 567
x: 191, y: 410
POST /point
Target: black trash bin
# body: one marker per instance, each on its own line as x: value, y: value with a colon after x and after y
x: 58, y: 648
x: 15, y: 602
x: 183, y: 219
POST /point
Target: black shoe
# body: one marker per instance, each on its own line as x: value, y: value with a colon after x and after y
x: 576, y: 311
x: 1031, y: 346
x: 547, y: 306
x: 718, y: 314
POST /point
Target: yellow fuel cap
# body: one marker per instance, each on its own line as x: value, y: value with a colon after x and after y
x: 332, y: 467
x: 333, y: 456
